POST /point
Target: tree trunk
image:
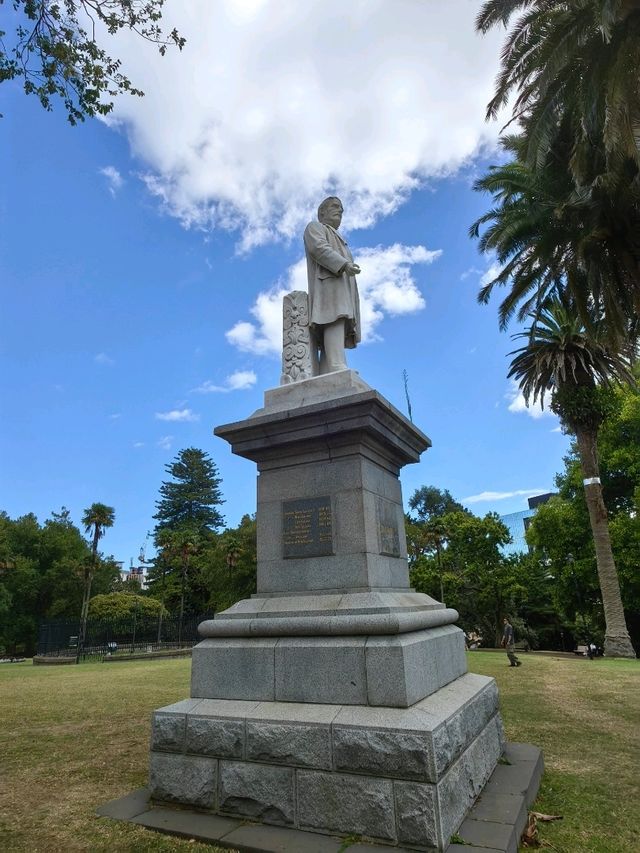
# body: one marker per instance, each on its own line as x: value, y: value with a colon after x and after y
x: 439, y: 561
x: 617, y: 642
x: 88, y: 579
x: 84, y: 613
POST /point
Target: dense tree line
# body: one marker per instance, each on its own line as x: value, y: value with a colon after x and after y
x: 51, y: 571
x: 553, y: 592
x: 43, y: 570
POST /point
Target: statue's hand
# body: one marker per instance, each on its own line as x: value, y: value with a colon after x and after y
x: 352, y: 269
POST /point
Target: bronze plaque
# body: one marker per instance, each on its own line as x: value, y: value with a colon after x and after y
x: 306, y: 527
x: 388, y: 535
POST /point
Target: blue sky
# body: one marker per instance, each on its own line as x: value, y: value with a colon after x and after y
x: 142, y: 260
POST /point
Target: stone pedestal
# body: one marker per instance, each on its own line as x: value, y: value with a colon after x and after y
x: 337, y: 698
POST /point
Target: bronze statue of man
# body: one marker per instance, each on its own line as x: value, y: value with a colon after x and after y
x: 334, y: 304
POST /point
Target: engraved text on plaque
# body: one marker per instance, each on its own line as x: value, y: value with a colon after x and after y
x: 306, y: 527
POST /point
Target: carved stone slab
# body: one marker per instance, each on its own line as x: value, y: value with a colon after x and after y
x: 297, y: 362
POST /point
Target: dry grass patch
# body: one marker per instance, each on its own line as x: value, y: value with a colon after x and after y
x: 72, y: 738
x: 586, y: 717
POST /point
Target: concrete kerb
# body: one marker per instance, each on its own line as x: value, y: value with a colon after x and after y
x: 494, y: 824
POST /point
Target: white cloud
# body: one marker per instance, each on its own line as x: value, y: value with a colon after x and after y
x: 178, y: 415
x: 114, y: 178
x: 386, y: 287
x: 165, y: 442
x: 485, y: 497
x: 273, y: 105
x: 517, y: 403
x: 104, y: 359
x: 489, y: 274
x: 238, y: 381
x: 141, y: 443
x: 471, y: 271
x: 115, y: 416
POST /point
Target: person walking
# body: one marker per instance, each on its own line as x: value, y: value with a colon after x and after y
x: 508, y: 642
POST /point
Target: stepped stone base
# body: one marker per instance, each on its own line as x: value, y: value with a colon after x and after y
x: 405, y: 776
x: 395, y: 671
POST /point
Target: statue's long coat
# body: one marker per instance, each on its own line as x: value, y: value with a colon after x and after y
x: 332, y: 294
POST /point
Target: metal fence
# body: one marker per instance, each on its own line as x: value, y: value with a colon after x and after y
x: 125, y: 635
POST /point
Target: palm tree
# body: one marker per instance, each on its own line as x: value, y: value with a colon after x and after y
x: 529, y: 231
x: 573, y: 68
x: 579, y: 58
x: 548, y: 237
x: 96, y: 519
x: 561, y: 358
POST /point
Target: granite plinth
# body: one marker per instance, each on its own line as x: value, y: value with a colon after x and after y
x: 329, y: 504
x: 401, y: 775
x: 396, y: 670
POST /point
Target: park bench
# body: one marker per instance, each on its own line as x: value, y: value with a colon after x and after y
x: 522, y: 646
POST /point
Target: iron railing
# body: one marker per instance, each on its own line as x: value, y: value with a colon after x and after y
x: 124, y: 635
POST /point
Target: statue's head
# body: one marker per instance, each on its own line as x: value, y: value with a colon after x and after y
x: 330, y: 211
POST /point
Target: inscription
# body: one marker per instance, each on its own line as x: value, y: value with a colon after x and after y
x: 307, y: 529
x: 388, y: 535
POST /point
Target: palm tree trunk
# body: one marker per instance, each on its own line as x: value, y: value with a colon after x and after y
x: 84, y: 612
x: 617, y: 642
x: 88, y: 579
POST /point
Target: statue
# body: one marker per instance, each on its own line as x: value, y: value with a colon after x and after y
x: 334, y: 305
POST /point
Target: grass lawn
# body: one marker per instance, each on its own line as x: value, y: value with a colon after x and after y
x: 74, y: 737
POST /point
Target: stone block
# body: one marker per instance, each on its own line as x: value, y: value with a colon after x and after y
x: 295, y: 745
x: 167, y: 732
x: 466, y: 777
x: 294, y: 713
x: 401, y: 669
x: 309, y: 574
x: 259, y: 792
x: 223, y: 738
x: 183, y: 779
x: 127, y: 807
x: 225, y: 708
x: 272, y: 839
x: 187, y: 824
x: 335, y: 802
x: 383, y: 752
x: 230, y: 668
x: 449, y: 653
x: 317, y: 478
x: 500, y: 808
x: 326, y: 669
x: 522, y: 776
x: 405, y: 668
x: 496, y: 836
x: 462, y: 722
x: 417, y: 814
x: 184, y: 706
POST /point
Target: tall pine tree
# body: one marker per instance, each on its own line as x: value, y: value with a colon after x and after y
x: 187, y: 520
x: 191, y: 499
